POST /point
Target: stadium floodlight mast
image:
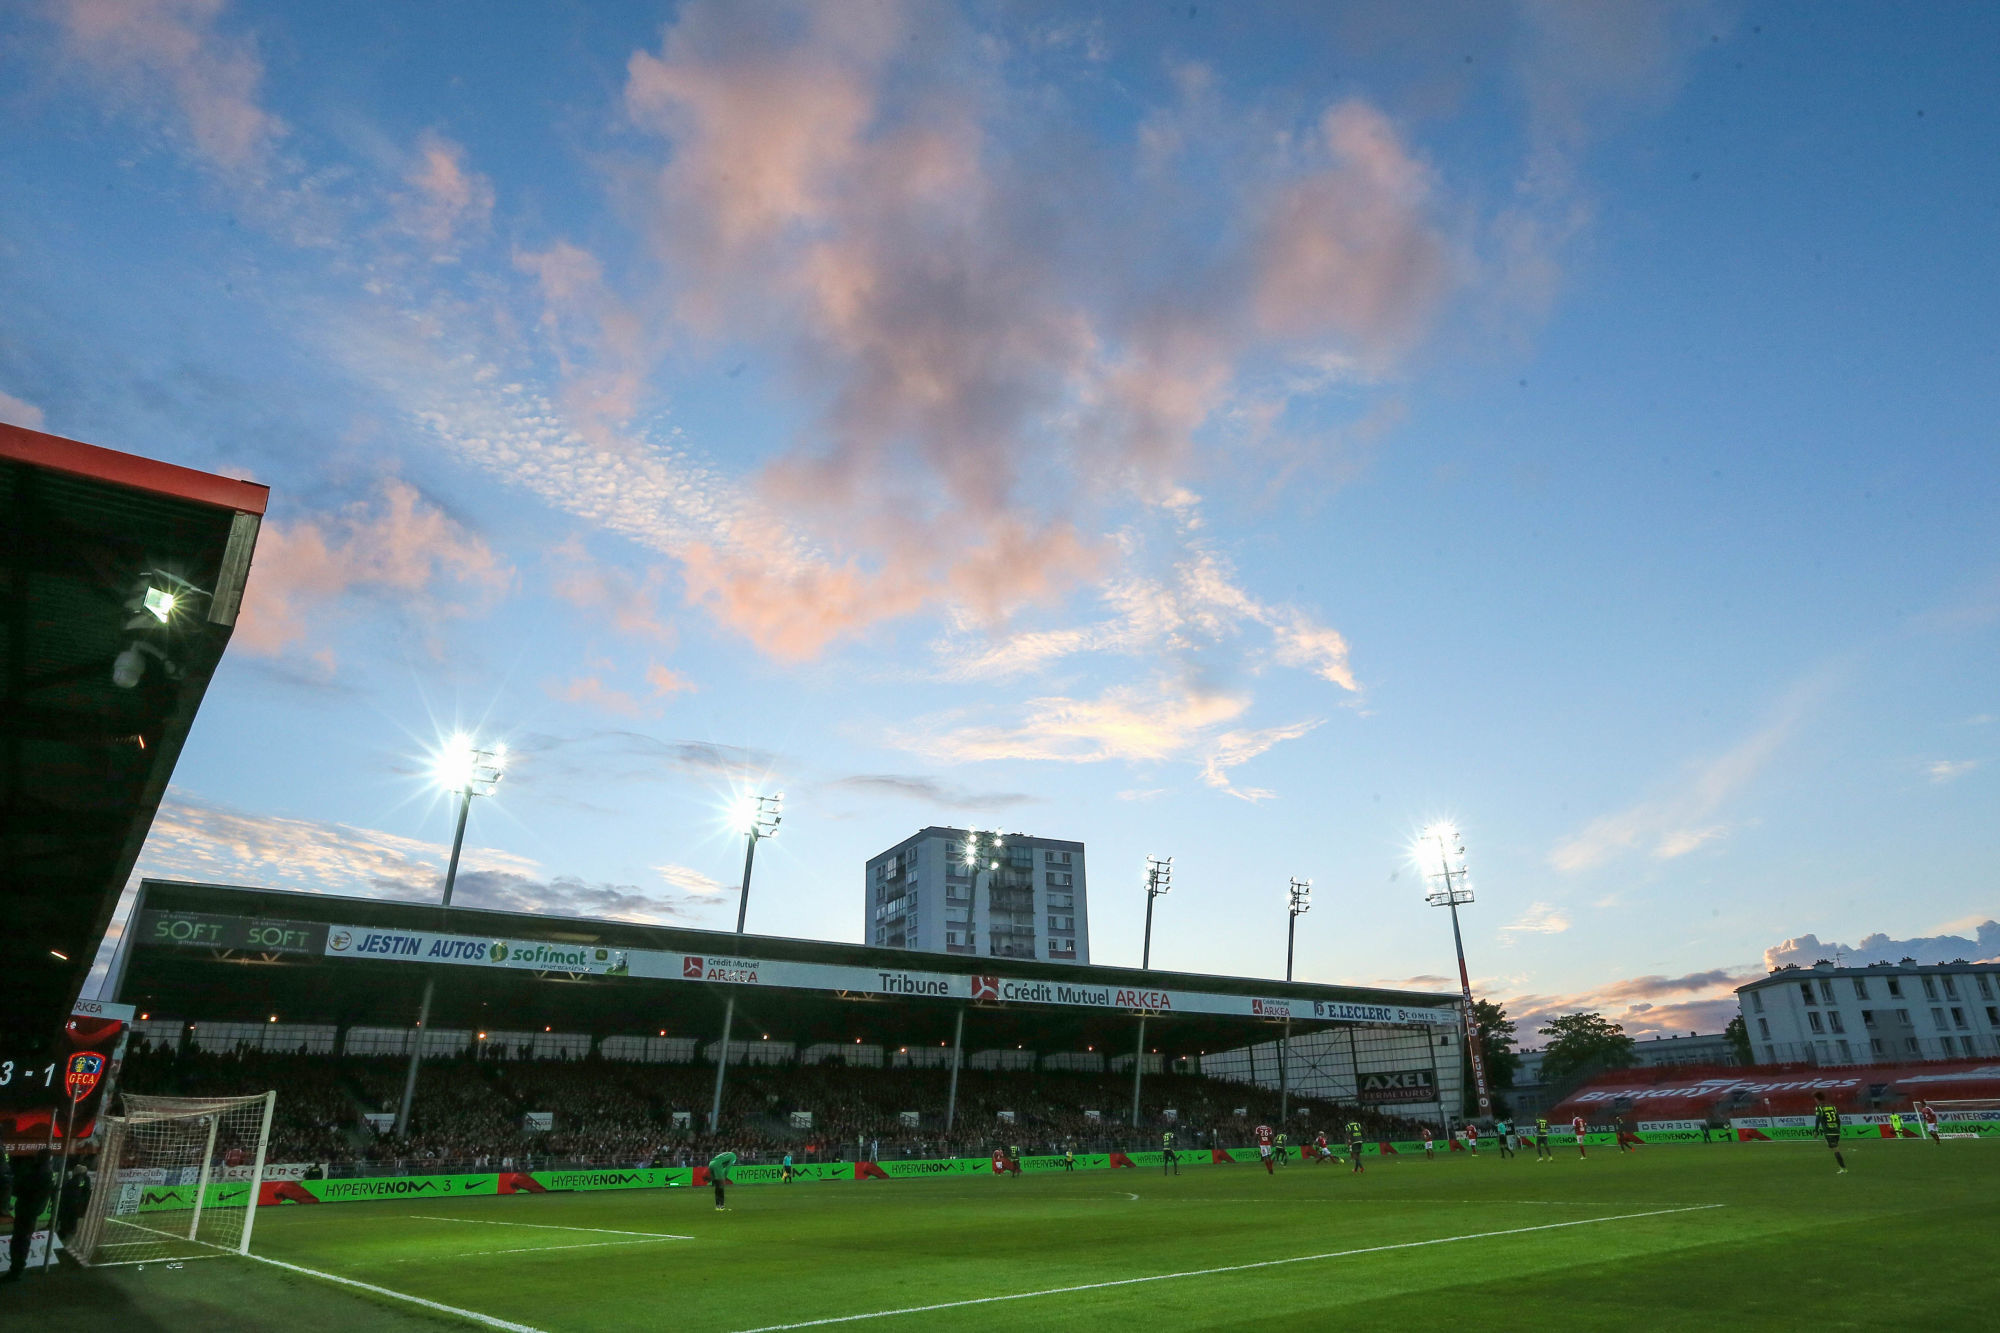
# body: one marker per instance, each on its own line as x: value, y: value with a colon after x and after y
x: 756, y: 818
x: 1441, y: 845
x: 1159, y: 880
x: 1301, y: 903
x: 462, y: 767
x: 982, y: 852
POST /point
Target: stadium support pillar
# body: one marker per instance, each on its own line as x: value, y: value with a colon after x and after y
x: 1138, y: 1071
x: 721, y: 1066
x: 1285, y: 1073
x: 957, y: 1057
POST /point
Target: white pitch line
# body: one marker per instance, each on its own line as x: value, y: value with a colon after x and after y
x: 1226, y: 1268
x: 532, y: 1249
x: 1334, y: 1198
x: 489, y: 1320
x: 548, y: 1226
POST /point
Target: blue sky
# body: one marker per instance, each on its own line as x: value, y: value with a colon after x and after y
x: 1236, y: 433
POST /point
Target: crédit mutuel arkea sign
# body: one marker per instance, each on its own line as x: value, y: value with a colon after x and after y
x: 412, y: 946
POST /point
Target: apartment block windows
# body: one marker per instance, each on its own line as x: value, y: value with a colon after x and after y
x: 1868, y: 1019
x: 1826, y: 991
x: 1833, y: 1021
x: 1937, y: 1019
x: 1065, y: 925
x: 1958, y: 1019
x: 1895, y: 988
x: 1930, y: 988
x: 1861, y: 988
x: 1951, y: 988
x: 1813, y: 1021
x: 1055, y: 858
x: 1764, y: 1028
x: 1757, y: 1000
x: 1805, y: 988
x: 1985, y: 986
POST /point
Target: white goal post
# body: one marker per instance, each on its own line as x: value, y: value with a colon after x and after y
x: 177, y: 1178
x: 1958, y: 1119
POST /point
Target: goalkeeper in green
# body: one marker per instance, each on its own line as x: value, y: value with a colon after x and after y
x: 719, y: 1167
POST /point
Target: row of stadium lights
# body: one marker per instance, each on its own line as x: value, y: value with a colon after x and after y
x: 465, y: 769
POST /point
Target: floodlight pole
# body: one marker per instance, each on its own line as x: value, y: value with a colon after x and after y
x: 1450, y: 898
x: 430, y: 981
x: 957, y: 1044
x: 1301, y: 902
x: 972, y: 854
x: 1159, y: 879
x: 755, y: 832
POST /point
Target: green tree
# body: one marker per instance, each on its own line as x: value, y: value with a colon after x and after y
x: 1738, y: 1033
x: 1495, y: 1033
x: 1582, y: 1044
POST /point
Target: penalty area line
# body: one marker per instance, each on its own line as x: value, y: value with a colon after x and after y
x: 1226, y: 1268
x: 547, y: 1226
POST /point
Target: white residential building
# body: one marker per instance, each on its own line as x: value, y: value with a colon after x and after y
x: 1024, y: 898
x: 1882, y: 1013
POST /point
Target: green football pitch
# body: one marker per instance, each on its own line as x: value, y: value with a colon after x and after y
x: 1748, y: 1236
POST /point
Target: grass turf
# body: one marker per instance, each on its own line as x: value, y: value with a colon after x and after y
x: 1792, y: 1245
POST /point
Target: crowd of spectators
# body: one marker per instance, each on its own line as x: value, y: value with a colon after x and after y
x: 484, y: 1114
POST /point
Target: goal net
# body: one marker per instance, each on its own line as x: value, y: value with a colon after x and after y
x: 1964, y: 1117
x: 177, y: 1178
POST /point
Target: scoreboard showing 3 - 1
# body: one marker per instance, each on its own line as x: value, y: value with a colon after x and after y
x: 49, y: 1097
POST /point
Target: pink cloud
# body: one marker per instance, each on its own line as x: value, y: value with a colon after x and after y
x: 147, y: 49
x: 398, y: 544
x: 602, y: 344
x: 1694, y: 1002
x: 630, y: 605
x: 826, y: 195
x: 447, y: 198
x: 1349, y: 249
x: 666, y: 682
x: 592, y: 692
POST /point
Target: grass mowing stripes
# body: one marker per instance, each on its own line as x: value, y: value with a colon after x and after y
x: 1794, y: 1245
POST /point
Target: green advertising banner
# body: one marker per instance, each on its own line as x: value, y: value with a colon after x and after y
x: 227, y: 1194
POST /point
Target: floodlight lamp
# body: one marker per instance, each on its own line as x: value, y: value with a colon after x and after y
x: 461, y: 766
x: 161, y: 603
x: 1301, y: 896
x: 1159, y: 874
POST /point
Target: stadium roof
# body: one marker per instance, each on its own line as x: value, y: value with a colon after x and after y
x: 85, y: 759
x: 217, y: 953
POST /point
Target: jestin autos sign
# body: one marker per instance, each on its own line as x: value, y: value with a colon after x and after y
x: 425, y: 947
